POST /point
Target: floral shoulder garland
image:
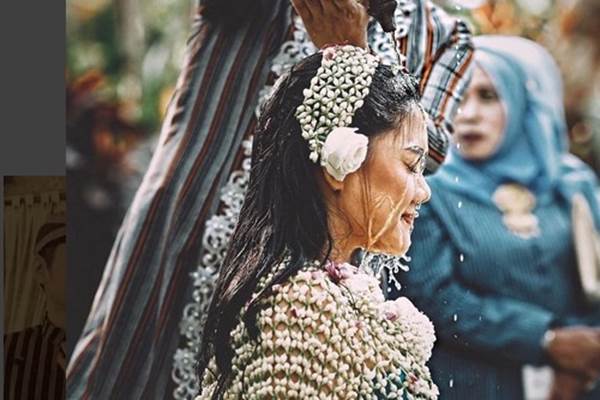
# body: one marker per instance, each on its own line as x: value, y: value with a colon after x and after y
x: 329, y: 332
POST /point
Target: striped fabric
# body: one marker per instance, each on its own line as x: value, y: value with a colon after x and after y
x: 127, y: 346
x: 130, y: 337
x: 439, y: 51
x: 34, y: 364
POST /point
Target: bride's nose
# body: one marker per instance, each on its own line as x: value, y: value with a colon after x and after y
x: 423, y: 191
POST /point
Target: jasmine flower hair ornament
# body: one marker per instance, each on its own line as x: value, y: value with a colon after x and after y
x: 325, y: 116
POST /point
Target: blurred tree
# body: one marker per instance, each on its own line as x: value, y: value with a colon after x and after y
x: 136, y: 44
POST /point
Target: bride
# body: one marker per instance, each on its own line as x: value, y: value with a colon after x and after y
x: 337, y: 166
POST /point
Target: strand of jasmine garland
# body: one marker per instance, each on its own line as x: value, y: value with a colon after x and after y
x: 335, y: 93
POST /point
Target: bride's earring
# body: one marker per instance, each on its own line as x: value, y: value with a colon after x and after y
x: 357, y: 256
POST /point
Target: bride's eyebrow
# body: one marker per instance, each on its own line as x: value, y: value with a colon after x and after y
x: 418, y: 150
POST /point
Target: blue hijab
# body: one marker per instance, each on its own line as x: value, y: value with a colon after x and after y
x: 534, y: 148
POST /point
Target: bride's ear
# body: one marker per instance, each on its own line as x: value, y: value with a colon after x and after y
x: 334, y: 184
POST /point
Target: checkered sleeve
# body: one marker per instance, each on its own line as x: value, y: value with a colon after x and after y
x: 439, y: 51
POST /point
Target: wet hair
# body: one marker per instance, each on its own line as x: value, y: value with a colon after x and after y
x: 284, y: 213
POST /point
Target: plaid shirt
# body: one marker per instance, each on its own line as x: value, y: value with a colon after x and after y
x: 439, y: 51
x: 127, y: 346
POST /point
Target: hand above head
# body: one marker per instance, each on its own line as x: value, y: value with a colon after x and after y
x: 576, y: 349
x: 334, y: 21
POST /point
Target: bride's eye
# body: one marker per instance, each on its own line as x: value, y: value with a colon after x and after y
x: 415, y: 159
x: 418, y: 167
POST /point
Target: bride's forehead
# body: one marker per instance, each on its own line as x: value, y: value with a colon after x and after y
x: 412, y: 130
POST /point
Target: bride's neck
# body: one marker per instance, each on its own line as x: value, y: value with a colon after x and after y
x: 344, y: 238
x: 344, y: 241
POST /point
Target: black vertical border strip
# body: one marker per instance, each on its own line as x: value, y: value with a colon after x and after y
x: 2, y: 287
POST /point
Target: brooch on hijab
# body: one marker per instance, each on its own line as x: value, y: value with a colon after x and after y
x: 517, y: 203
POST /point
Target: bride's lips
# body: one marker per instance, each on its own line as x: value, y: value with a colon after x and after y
x: 409, y: 217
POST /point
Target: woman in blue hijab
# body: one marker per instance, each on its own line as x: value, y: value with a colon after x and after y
x: 493, y: 258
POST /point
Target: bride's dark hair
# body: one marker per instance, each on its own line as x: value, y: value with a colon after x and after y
x: 284, y: 212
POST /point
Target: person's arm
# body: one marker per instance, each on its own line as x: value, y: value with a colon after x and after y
x: 210, y: 112
x: 439, y: 51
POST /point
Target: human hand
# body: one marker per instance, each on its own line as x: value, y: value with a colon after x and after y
x: 334, y: 21
x: 577, y: 349
x: 566, y: 386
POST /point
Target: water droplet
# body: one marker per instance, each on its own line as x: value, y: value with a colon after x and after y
x: 480, y: 318
x: 460, y: 204
x: 461, y: 257
x: 456, y: 179
x: 458, y: 145
x: 455, y: 317
x: 389, y: 289
x: 451, y: 383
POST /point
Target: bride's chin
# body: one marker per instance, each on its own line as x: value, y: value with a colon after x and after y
x: 394, y: 242
x: 397, y: 247
x: 403, y: 244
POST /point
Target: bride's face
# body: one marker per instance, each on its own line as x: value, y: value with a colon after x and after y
x: 380, y: 200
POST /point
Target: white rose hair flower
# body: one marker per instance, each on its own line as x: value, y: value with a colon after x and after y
x: 325, y: 116
x: 343, y: 152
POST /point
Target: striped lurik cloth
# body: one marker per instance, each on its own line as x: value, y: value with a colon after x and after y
x: 126, y: 349
x: 34, y: 363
